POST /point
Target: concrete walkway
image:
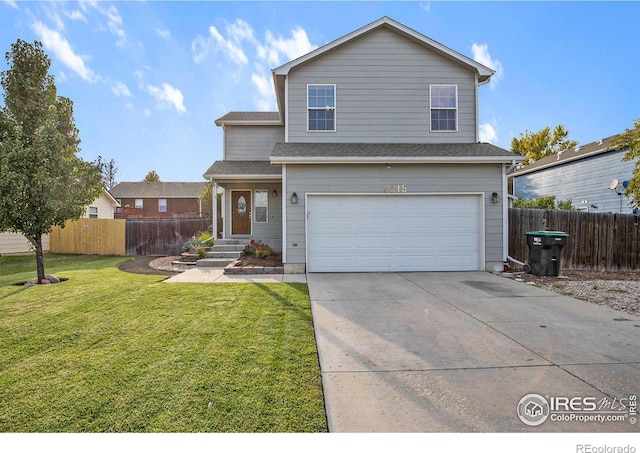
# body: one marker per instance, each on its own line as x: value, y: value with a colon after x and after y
x: 457, y: 352
x: 216, y: 275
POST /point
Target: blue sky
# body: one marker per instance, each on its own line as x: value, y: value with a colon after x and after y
x: 148, y: 79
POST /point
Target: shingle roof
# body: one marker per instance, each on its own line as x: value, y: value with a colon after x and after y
x: 249, y: 117
x: 158, y: 189
x: 581, y: 152
x: 236, y: 168
x: 386, y: 150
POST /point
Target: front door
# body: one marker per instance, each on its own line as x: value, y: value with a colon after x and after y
x: 241, y: 212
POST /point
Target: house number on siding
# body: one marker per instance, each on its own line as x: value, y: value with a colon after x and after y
x: 395, y: 188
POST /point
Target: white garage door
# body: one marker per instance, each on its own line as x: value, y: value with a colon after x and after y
x: 362, y: 233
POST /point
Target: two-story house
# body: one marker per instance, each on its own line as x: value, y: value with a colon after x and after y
x: 159, y: 199
x: 592, y: 176
x: 372, y: 161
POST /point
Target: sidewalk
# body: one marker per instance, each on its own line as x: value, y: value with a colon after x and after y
x: 216, y: 275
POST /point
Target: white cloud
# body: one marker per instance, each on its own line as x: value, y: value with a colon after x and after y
x: 113, y: 17
x: 488, y: 133
x: 237, y: 32
x: 163, y: 33
x: 168, y: 96
x: 120, y: 89
x: 425, y: 6
x: 11, y: 3
x: 76, y: 15
x: 291, y: 48
x: 265, y: 100
x: 61, y: 48
x: 481, y: 55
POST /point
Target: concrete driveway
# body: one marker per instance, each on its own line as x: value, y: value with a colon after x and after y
x: 458, y: 352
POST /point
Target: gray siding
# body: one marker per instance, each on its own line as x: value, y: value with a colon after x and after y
x: 372, y: 178
x: 382, y: 92
x: 251, y: 142
x: 270, y: 232
x: 587, y: 179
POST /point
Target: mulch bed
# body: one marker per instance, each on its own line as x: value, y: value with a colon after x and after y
x: 141, y: 266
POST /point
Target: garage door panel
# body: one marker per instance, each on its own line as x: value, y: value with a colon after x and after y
x: 393, y: 233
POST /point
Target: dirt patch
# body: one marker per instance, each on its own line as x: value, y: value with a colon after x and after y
x: 616, y: 290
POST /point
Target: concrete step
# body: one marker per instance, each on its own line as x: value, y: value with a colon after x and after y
x: 227, y: 248
x: 214, y: 262
x: 223, y: 254
x: 242, y: 242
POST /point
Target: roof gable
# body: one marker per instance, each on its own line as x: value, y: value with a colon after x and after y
x: 484, y: 73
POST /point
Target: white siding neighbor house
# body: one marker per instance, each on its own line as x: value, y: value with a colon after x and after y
x: 16, y: 244
x: 583, y: 175
x: 372, y: 161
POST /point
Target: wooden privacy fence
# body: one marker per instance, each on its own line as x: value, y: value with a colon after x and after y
x: 89, y: 237
x: 162, y: 236
x: 603, y: 242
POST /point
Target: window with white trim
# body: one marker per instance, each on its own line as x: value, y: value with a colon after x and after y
x: 162, y: 205
x: 321, y: 108
x: 443, y: 101
x: 93, y: 212
x: 139, y: 204
x: 261, y: 206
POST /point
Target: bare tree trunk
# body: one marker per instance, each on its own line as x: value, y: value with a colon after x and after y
x: 39, y: 258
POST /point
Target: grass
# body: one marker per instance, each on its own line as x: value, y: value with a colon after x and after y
x: 109, y: 351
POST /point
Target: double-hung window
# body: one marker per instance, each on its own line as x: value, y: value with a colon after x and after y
x: 93, y: 212
x: 162, y: 205
x: 444, y: 108
x: 321, y: 108
x: 261, y: 206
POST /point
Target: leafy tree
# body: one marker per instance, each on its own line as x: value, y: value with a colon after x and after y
x: 152, y: 176
x: 630, y: 140
x: 42, y: 181
x: 546, y: 202
x: 109, y: 171
x: 536, y: 145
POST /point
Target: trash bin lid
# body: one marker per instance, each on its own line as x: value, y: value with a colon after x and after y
x: 547, y: 233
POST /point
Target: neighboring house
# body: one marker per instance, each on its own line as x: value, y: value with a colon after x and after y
x: 159, y: 199
x: 583, y: 175
x: 17, y: 244
x: 103, y: 207
x: 372, y: 162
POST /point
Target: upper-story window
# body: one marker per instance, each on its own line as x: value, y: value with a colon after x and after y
x: 93, y: 212
x: 444, y: 108
x: 321, y: 108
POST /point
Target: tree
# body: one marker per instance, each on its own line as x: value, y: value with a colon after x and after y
x: 109, y: 171
x: 630, y: 140
x: 152, y: 176
x: 546, y: 202
x: 535, y: 146
x: 42, y: 181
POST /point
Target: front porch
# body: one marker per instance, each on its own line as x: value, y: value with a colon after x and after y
x: 250, y: 201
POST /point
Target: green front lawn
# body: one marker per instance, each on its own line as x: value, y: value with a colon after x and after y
x: 109, y: 351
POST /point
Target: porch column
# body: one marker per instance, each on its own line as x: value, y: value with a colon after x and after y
x: 214, y: 203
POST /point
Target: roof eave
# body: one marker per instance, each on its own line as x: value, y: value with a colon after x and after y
x: 279, y: 160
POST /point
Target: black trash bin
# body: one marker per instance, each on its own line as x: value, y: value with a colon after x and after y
x: 544, y: 251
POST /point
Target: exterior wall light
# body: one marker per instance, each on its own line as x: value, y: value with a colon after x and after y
x: 495, y: 198
x: 294, y: 198
x: 275, y: 193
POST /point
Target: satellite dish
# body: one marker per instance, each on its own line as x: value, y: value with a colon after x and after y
x: 625, y: 184
x: 613, y: 184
